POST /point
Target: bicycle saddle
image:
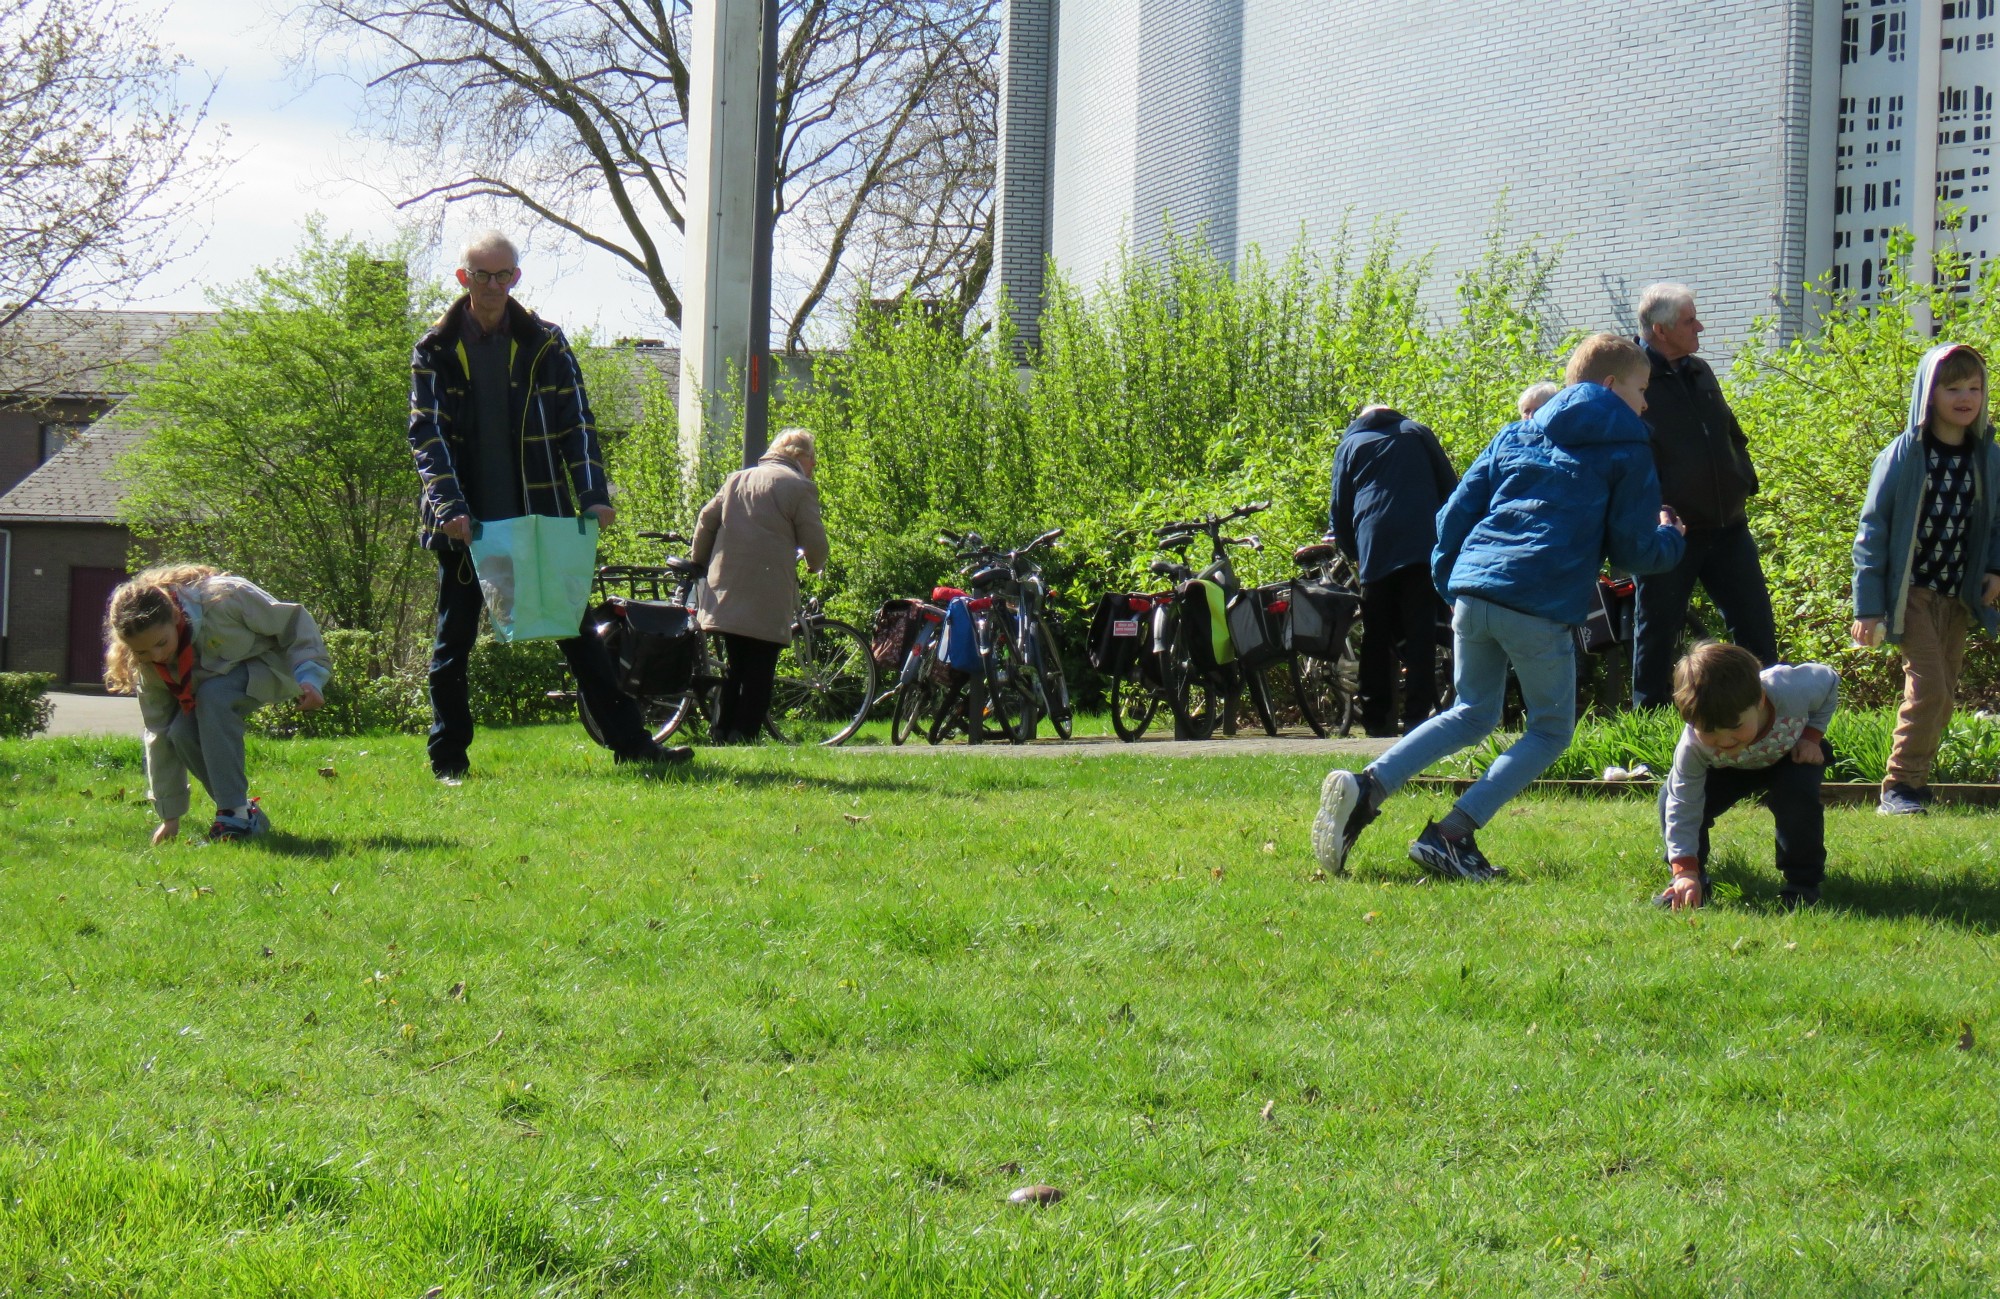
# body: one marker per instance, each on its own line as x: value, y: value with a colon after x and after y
x: 683, y: 566
x: 945, y: 594
x: 1167, y: 568
x: 1314, y: 554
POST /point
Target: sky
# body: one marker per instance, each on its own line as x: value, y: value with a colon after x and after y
x: 298, y: 153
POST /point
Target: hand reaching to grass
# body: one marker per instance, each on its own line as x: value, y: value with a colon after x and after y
x: 1684, y: 893
x: 169, y: 829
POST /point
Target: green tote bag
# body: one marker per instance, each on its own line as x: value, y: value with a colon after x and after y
x: 535, y: 573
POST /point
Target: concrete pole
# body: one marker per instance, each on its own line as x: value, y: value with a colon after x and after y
x: 719, y: 337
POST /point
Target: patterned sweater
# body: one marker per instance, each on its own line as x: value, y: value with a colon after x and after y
x: 1803, y: 699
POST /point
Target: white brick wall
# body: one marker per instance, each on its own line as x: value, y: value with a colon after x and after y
x: 1662, y: 139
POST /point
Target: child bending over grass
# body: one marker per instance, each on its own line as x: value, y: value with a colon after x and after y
x: 204, y: 650
x: 1750, y: 731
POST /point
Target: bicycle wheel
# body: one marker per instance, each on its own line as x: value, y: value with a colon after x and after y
x: 1195, y: 702
x: 695, y: 708
x: 1011, y: 697
x: 916, y: 697
x: 1326, y: 689
x: 824, y: 685
x: 1260, y: 699
x: 1133, y: 703
x: 1054, y: 685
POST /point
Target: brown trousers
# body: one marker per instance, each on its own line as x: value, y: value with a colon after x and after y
x: 1934, y: 628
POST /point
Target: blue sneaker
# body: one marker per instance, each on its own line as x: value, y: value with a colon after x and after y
x: 1899, y: 799
x: 1451, y: 859
x: 1343, y: 814
x: 233, y: 828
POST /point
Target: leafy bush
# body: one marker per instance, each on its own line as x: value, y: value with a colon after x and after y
x: 369, y: 692
x: 25, y: 707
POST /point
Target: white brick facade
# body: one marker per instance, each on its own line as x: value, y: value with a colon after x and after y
x: 1657, y: 139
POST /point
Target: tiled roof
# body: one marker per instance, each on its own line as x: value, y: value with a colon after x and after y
x: 78, y: 353
x: 75, y: 484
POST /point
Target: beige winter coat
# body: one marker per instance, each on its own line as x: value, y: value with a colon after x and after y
x: 749, y: 537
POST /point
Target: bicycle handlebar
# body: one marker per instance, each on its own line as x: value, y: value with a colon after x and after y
x: 673, y: 538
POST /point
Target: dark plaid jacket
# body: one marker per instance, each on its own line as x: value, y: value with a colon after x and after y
x: 562, y: 471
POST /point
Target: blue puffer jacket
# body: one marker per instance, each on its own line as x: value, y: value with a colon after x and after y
x: 1548, y: 501
x: 1887, y: 540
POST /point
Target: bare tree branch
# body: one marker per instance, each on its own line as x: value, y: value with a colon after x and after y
x: 574, y: 113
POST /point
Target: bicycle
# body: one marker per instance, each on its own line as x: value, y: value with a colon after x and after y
x: 1326, y: 685
x: 825, y: 678
x: 1020, y: 678
x: 1198, y: 690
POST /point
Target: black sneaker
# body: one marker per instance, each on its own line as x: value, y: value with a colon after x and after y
x: 1796, y: 897
x: 1899, y: 799
x: 1451, y: 859
x: 1343, y: 814
x: 657, y: 755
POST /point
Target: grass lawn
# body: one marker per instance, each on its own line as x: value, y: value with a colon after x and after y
x: 797, y: 1022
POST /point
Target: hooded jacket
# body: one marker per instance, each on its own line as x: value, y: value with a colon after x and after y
x: 562, y: 471
x: 1699, y: 449
x: 1886, y: 543
x: 1547, y: 502
x: 1390, y: 476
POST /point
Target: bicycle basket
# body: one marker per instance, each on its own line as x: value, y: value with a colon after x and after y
x: 1118, y: 633
x: 1319, y: 619
x: 652, y: 645
x: 896, y: 625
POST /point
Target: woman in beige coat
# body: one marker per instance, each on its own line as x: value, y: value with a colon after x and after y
x: 749, y: 539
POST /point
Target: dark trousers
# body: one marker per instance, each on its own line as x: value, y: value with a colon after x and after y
x: 458, y: 607
x: 1791, y: 790
x: 1724, y: 561
x: 747, y: 678
x: 1399, y: 619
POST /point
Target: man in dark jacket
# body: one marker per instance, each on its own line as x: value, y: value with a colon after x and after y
x: 500, y: 427
x: 1706, y: 476
x: 1390, y: 476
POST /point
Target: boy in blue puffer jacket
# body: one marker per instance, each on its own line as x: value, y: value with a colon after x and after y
x: 1519, y: 547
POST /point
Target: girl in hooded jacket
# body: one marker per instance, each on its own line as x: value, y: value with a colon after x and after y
x: 203, y: 650
x: 1927, y: 557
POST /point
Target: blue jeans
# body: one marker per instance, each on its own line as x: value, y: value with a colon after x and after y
x: 1724, y: 561
x: 1487, y: 639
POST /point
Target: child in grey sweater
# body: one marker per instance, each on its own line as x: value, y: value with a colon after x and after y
x: 1749, y: 732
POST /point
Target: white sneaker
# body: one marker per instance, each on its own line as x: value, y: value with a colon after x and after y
x: 1339, y: 800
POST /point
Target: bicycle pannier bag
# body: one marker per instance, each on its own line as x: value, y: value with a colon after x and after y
x: 652, y: 645
x: 1610, y: 621
x: 1117, y: 635
x: 961, y: 646
x: 1319, y: 619
x: 1207, y: 623
x: 896, y: 626
x: 1248, y: 631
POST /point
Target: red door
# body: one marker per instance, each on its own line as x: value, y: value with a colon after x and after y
x: 89, y: 595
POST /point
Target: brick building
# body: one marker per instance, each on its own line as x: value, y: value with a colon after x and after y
x: 1719, y: 142
x: 61, y: 547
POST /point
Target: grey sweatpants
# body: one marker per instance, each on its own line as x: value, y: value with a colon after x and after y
x: 208, y: 743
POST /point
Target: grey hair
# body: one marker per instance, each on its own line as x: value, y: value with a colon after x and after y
x: 1534, y: 397
x: 793, y: 444
x: 1664, y: 304
x: 489, y: 241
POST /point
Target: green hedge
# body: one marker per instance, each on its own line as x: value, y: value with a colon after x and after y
x: 1969, y: 753
x: 25, y: 707
x: 370, y: 692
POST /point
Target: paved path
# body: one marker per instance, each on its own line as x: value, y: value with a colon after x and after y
x: 1105, y: 746
x: 94, y: 714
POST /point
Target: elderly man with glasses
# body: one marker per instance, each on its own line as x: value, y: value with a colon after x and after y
x: 501, y: 428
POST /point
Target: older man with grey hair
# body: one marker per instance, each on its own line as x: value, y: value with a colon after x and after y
x: 500, y: 428
x: 1706, y: 476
